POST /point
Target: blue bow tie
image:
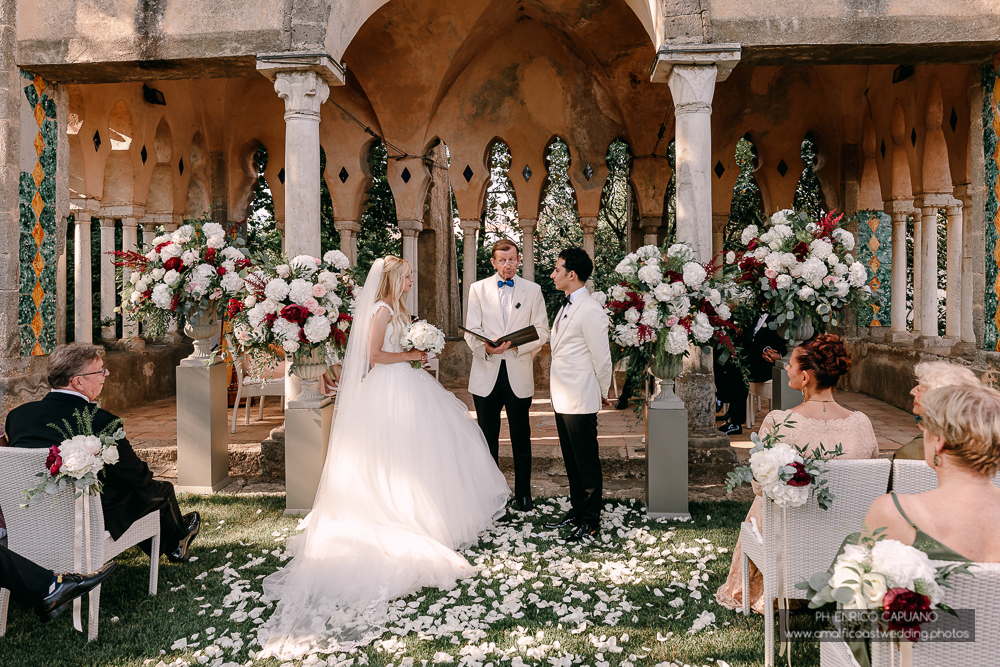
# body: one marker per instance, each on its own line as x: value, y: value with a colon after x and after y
x: 509, y: 283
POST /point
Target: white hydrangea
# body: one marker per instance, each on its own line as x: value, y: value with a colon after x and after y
x: 723, y: 311
x: 317, y: 328
x: 276, y: 289
x: 204, y: 270
x: 182, y: 234
x: 647, y: 252
x: 305, y: 265
x: 813, y: 271
x: 775, y: 261
x: 300, y: 291
x: 858, y: 276
x: 677, y: 340
x: 782, y: 231
x: 162, y: 296
x: 171, y: 277
x: 627, y: 335
x: 283, y: 270
x: 333, y: 302
x: 163, y: 238
x: 844, y: 237
x: 284, y: 329
x: 170, y: 250
x: 749, y: 233
x: 627, y: 267
x: 662, y: 292
x: 213, y: 229
x: 328, y: 279
x: 904, y: 566
x: 81, y: 455
x: 842, y: 287
x: 232, y: 253
x: 821, y: 248
x: 678, y: 289
x: 618, y: 293
x: 781, y: 217
x: 694, y: 274
x: 840, y: 269
x: 270, y: 305
x: 650, y: 318
x: 255, y: 316
x: 338, y: 259
x: 788, y: 260
x: 231, y: 282
x: 157, y: 273
x: 806, y: 293
x: 784, y: 281
x: 151, y: 255
x: 632, y: 315
x: 714, y: 297
x: 216, y: 241
x: 701, y: 328
x: 761, y: 252
x: 789, y: 496
x: 651, y: 274
x: 680, y: 251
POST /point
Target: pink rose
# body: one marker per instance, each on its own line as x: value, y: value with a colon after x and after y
x: 770, y: 273
x: 672, y: 321
x: 312, y: 305
x: 217, y: 294
x: 319, y: 291
x: 828, y: 280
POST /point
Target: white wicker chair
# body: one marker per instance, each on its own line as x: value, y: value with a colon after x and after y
x: 835, y: 653
x: 814, y: 535
x: 758, y: 390
x: 44, y: 531
x: 249, y: 388
x: 980, y: 592
x: 913, y: 476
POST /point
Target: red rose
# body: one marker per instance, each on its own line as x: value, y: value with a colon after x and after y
x: 752, y: 245
x: 296, y: 314
x: 221, y: 271
x: 54, y: 461
x: 270, y: 318
x: 235, y: 306
x: 162, y: 246
x: 242, y: 263
x: 210, y: 255
x: 801, y: 250
x: 801, y: 477
x: 172, y: 264
x: 904, y: 610
x: 175, y: 301
x: 148, y: 293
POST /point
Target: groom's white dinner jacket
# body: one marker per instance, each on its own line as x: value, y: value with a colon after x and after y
x: 581, y: 357
x: 527, y: 308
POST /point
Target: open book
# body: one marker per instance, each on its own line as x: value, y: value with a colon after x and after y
x: 516, y: 338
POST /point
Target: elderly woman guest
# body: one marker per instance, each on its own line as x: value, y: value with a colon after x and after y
x: 814, y: 369
x: 931, y: 375
x: 961, y: 426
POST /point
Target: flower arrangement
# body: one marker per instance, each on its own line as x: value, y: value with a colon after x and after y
x: 301, y: 305
x: 187, y: 272
x: 787, y: 475
x: 665, y: 302
x: 79, y: 458
x: 421, y: 335
x: 802, y: 270
x: 887, y: 576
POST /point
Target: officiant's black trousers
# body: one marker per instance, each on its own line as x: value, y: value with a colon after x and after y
x: 28, y: 583
x: 488, y: 414
x: 578, y: 440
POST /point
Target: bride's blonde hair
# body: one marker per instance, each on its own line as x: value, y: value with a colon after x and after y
x: 390, y: 290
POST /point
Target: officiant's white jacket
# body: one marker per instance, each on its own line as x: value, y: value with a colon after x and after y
x: 527, y: 308
x: 581, y: 357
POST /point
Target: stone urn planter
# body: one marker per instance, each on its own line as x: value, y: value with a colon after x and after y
x: 201, y: 327
x: 665, y: 368
x: 797, y: 335
x: 309, y: 368
x: 784, y: 397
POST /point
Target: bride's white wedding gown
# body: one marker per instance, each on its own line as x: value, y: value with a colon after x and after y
x: 408, y: 480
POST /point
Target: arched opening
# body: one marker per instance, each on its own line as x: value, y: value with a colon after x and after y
x: 668, y: 231
x: 808, y: 192
x: 120, y: 127
x: 747, y: 207
x: 558, y: 220
x: 329, y: 236
x: 379, y: 235
x: 262, y: 232
x: 615, y: 216
x: 499, y: 216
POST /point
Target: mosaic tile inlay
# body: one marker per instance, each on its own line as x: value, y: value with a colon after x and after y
x: 875, y: 252
x: 37, y: 203
x: 991, y: 149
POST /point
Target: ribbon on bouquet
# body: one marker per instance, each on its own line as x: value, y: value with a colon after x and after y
x: 903, y: 650
x: 782, y: 593
x: 81, y: 544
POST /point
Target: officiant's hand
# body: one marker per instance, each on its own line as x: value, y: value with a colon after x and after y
x: 497, y: 350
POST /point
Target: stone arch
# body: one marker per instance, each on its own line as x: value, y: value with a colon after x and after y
x: 243, y: 180
x: 809, y: 192
x: 746, y: 197
x: 901, y: 182
x: 120, y: 127
x: 870, y: 194
x: 77, y: 169
x: 199, y: 200
x: 498, y: 190
x: 935, y: 169
x: 163, y: 142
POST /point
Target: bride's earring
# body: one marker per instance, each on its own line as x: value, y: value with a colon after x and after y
x: 937, y: 461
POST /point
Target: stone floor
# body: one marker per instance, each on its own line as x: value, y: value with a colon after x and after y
x: 152, y: 429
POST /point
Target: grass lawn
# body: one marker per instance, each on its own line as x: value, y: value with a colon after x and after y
x: 631, y: 600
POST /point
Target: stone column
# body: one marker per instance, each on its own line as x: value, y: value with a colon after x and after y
x: 409, y: 229
x: 470, y: 227
x: 528, y: 227
x: 107, y: 275
x: 649, y: 227
x: 967, y: 333
x: 148, y: 234
x: 928, y: 325
x: 719, y: 222
x: 349, y: 238
x: 130, y: 328
x: 589, y: 225
x: 303, y: 92
x: 953, y: 300
x: 898, y: 210
x: 83, y: 330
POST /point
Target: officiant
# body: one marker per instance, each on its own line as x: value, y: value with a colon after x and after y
x: 502, y: 376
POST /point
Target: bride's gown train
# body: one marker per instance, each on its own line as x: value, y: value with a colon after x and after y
x: 408, y: 480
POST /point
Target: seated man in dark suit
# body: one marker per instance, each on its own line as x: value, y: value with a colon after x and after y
x: 76, y: 375
x: 42, y: 590
x: 762, y: 346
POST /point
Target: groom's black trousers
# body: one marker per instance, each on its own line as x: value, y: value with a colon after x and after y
x: 578, y: 439
x: 28, y: 583
x: 488, y: 414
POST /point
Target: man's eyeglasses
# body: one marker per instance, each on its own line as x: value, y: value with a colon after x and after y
x: 103, y: 371
x: 507, y: 262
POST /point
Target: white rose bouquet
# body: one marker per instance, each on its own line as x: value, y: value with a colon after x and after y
x: 185, y: 272
x: 787, y: 475
x: 665, y: 302
x: 802, y: 270
x: 79, y: 458
x: 301, y: 305
x: 421, y: 335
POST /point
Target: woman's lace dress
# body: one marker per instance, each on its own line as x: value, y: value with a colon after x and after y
x: 857, y: 437
x: 408, y: 480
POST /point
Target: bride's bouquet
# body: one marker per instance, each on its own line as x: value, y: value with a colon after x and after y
x: 79, y: 458
x: 423, y: 336
x: 787, y: 475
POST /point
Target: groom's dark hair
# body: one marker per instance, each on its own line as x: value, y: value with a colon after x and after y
x: 578, y: 261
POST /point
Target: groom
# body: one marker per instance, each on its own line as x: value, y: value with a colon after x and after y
x: 579, y: 379
x: 502, y: 377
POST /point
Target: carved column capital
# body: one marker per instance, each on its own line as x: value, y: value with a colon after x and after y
x: 469, y: 225
x: 589, y: 224
x: 303, y: 91
x: 410, y: 228
x: 528, y: 225
x: 347, y: 226
x: 692, y: 88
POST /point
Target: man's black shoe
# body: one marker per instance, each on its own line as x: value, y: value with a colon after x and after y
x: 68, y: 588
x: 567, y: 520
x: 731, y: 429
x: 583, y: 532
x: 183, y: 550
x: 622, y: 402
x: 524, y: 504
x: 718, y: 405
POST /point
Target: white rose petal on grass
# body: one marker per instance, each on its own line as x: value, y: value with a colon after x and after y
x: 704, y: 620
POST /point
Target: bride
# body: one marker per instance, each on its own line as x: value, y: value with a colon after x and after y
x: 408, y: 480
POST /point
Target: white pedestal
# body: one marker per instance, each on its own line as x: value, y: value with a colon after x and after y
x: 307, y: 436
x: 783, y: 397
x: 202, y: 436
x: 667, y: 462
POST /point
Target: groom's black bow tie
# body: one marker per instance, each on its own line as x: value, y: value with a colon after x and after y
x: 509, y: 283
x: 565, y: 301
